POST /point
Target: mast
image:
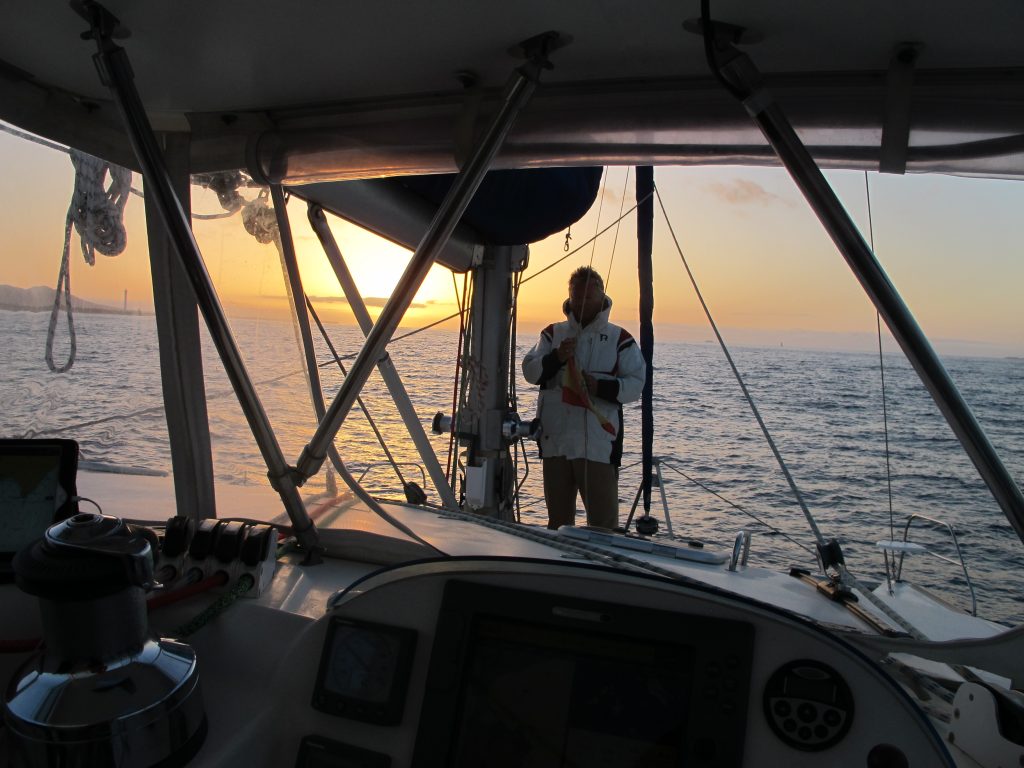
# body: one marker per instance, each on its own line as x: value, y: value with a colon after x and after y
x: 486, y: 426
x: 645, y: 274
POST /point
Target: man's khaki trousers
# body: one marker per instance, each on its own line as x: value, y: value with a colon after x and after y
x: 597, y: 483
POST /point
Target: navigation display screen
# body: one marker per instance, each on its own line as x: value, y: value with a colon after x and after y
x: 546, y: 697
x: 34, y: 490
x: 531, y: 679
x: 364, y: 671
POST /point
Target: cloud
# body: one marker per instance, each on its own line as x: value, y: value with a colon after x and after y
x: 611, y: 196
x: 370, y: 301
x: 746, y: 192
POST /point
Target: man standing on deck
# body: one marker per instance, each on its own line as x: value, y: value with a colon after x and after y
x: 586, y: 368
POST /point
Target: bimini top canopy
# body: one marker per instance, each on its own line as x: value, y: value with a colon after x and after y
x: 320, y: 91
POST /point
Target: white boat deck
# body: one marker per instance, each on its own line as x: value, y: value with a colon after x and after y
x: 358, y: 541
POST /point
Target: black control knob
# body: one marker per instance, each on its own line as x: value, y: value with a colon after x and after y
x: 808, y: 705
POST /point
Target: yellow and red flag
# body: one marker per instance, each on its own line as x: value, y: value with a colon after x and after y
x: 574, y: 392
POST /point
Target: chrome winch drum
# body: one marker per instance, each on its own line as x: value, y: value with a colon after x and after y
x: 103, y: 692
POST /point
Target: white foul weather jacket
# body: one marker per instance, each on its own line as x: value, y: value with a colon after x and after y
x: 610, y: 355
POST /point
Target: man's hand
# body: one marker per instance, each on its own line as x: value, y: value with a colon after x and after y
x: 566, y: 349
x: 591, y: 384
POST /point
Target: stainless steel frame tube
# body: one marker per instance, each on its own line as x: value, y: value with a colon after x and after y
x: 520, y: 87
x: 740, y: 71
x: 116, y: 73
x: 386, y: 368
x: 297, y: 297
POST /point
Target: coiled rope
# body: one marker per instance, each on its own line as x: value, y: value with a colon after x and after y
x: 97, y: 213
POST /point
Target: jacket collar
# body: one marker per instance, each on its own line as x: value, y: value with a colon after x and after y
x: 599, y: 321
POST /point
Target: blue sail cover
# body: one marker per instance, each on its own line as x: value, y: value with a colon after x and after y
x: 514, y: 207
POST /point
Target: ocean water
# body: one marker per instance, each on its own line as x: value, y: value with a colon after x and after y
x: 824, y: 410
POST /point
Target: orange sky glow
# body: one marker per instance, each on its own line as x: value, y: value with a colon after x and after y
x: 952, y: 247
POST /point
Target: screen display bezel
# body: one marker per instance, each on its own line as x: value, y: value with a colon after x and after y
x: 66, y: 455
x: 385, y: 712
x: 710, y: 644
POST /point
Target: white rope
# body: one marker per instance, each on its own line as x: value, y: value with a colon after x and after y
x: 259, y: 219
x: 97, y: 213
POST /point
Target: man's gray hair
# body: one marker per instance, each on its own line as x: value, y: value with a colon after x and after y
x: 585, y: 275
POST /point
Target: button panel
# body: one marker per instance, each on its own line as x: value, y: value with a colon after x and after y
x: 808, y: 705
x: 723, y: 684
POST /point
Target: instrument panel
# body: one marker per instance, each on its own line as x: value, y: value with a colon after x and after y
x: 521, y: 663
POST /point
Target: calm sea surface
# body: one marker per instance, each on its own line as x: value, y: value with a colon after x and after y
x: 824, y: 410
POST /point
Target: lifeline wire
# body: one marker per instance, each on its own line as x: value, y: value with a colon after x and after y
x: 98, y: 216
x: 750, y: 400
x: 739, y: 508
x: 61, y: 148
x: 214, y: 395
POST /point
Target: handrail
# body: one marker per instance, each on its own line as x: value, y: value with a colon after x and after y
x: 898, y: 567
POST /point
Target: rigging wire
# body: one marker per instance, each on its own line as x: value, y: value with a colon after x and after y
x: 583, y: 245
x: 845, y: 577
x: 746, y: 393
x: 615, y: 240
x: 464, y: 366
x: 422, y: 328
x: 369, y: 419
x: 590, y: 241
x: 33, y: 138
x: 600, y: 207
x: 460, y: 300
x: 513, y: 399
x: 586, y: 288
x: 881, y: 368
x: 738, y: 507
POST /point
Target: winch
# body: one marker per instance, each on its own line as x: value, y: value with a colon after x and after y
x: 102, y: 691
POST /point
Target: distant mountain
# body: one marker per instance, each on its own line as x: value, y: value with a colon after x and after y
x: 40, y: 299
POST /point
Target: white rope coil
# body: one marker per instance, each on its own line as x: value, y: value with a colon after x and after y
x: 259, y: 219
x: 97, y: 213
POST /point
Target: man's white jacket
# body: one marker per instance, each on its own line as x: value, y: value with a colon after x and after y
x: 610, y: 355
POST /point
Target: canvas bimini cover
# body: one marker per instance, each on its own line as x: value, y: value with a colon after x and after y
x: 511, y: 207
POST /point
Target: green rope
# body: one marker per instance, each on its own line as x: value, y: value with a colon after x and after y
x: 244, y: 584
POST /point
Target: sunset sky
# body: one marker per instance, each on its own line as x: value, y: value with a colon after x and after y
x: 954, y: 247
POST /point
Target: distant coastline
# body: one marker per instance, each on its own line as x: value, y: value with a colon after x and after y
x: 40, y: 299
x: 84, y: 310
